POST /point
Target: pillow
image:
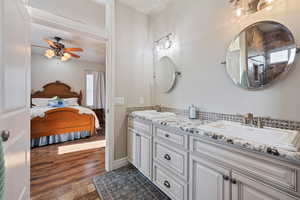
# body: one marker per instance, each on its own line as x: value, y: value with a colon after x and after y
x: 71, y: 101
x: 56, y: 103
x: 40, y: 101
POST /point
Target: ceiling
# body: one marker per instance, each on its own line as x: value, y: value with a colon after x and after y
x: 94, y: 51
x: 146, y: 6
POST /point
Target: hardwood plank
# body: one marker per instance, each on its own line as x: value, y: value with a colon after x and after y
x: 66, y: 176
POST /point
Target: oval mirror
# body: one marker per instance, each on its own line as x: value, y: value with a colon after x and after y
x: 260, y: 54
x: 165, y: 74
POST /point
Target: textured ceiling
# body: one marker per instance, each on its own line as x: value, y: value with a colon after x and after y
x: 146, y: 6
x: 94, y: 51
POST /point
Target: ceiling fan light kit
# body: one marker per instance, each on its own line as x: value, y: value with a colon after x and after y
x: 57, y: 49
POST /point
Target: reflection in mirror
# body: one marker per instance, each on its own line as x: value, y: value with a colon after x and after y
x: 165, y: 74
x: 260, y: 54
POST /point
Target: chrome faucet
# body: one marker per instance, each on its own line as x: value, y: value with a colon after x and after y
x: 248, y: 119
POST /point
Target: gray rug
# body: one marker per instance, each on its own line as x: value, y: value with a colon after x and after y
x: 127, y: 183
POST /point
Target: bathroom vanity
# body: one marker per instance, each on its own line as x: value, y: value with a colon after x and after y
x: 190, y: 165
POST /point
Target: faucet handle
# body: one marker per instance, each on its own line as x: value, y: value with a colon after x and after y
x: 259, y: 122
x: 248, y: 115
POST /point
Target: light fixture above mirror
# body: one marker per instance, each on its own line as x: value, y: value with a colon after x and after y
x: 164, y: 42
x: 245, y: 7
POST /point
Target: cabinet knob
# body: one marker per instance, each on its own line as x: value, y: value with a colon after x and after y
x: 225, y: 177
x: 167, y: 184
x: 233, y: 181
x: 167, y: 135
x: 167, y: 157
x: 5, y: 135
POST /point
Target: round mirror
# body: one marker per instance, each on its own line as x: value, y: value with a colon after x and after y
x: 260, y: 54
x: 165, y: 74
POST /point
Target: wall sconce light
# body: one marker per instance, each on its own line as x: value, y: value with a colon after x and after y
x: 163, y: 43
x: 243, y: 7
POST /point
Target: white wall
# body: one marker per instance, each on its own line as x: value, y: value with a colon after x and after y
x: 203, y: 31
x: 87, y: 12
x: 44, y: 70
x: 133, y: 68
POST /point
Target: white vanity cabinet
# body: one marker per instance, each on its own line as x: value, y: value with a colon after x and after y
x: 246, y: 188
x: 208, y: 180
x: 220, y: 172
x: 139, y: 146
x: 189, y: 167
x: 170, y: 158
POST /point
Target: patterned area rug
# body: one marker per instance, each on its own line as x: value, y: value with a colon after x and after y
x: 127, y: 183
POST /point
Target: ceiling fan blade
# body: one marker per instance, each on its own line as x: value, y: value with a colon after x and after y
x: 73, y: 55
x: 72, y: 49
x: 50, y: 43
x: 33, y: 45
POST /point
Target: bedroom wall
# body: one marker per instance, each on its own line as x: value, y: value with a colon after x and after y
x: 203, y: 32
x: 93, y: 13
x: 133, y: 69
x: 44, y: 70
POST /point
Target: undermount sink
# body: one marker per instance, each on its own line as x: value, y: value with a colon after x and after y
x: 284, y: 139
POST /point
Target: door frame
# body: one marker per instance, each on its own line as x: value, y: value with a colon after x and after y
x: 106, y: 36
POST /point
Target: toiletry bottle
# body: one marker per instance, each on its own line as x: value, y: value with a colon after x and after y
x: 192, y: 112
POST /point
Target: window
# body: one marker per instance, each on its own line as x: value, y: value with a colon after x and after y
x: 89, y: 89
x: 279, y: 56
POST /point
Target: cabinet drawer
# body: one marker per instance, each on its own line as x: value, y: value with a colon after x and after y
x: 174, y: 188
x: 259, y: 167
x: 176, y: 138
x: 139, y: 125
x: 171, y: 158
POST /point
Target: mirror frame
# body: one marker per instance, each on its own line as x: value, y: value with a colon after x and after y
x: 289, y: 67
x: 175, y: 74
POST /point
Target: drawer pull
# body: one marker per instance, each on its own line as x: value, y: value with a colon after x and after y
x: 167, y: 184
x: 233, y: 181
x: 167, y: 135
x: 167, y: 157
x: 226, y: 178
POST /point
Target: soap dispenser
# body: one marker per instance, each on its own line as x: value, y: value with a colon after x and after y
x: 192, y: 112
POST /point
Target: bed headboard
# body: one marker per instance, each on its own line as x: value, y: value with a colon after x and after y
x: 59, y: 89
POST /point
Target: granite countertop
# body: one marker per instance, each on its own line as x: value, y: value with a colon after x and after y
x: 191, y: 127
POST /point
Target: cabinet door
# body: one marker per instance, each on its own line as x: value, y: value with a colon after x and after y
x: 208, y: 180
x: 245, y: 188
x: 145, y: 152
x: 132, y: 147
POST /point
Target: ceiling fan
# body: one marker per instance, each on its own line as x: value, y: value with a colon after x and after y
x: 57, y: 48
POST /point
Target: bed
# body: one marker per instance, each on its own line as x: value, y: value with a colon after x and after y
x: 52, y: 125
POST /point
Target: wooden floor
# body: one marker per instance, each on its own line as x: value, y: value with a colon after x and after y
x: 66, y: 176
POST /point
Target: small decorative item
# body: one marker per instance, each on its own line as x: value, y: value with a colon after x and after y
x: 192, y: 112
x: 56, y: 102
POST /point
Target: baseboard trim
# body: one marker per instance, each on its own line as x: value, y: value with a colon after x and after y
x: 119, y: 163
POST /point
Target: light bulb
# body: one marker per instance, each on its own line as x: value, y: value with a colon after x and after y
x: 157, y: 47
x: 49, y: 53
x: 63, y: 58
x: 67, y: 55
x: 168, y: 44
x: 238, y: 12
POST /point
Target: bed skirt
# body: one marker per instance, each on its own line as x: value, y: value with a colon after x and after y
x: 54, y: 139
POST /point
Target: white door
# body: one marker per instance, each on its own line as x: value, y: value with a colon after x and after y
x: 208, y: 180
x: 15, y: 97
x: 145, y: 155
x: 245, y: 188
